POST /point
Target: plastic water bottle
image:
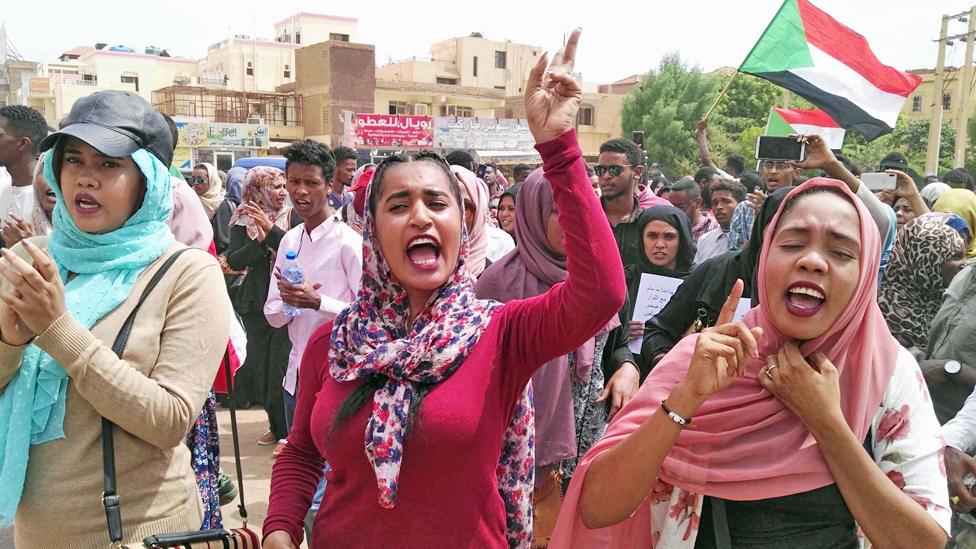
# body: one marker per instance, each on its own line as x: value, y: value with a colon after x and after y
x: 292, y: 274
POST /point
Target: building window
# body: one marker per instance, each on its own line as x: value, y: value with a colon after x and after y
x: 474, y: 70
x: 457, y: 110
x: 250, y: 69
x: 500, y: 59
x: 338, y: 37
x: 398, y: 107
x: 500, y: 88
x: 448, y: 81
x: 131, y: 80
x: 298, y: 37
x: 946, y: 101
x: 917, y: 103
x: 287, y: 71
x: 584, y: 117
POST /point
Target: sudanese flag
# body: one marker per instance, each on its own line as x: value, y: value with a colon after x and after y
x: 809, y: 53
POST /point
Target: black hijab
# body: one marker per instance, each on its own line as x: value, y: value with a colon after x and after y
x: 686, y: 246
x: 724, y: 270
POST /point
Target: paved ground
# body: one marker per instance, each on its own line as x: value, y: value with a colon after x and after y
x: 255, y: 460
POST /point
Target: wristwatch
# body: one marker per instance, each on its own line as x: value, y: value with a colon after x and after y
x: 952, y: 367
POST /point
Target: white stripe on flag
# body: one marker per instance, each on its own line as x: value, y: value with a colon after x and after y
x: 834, y: 137
x: 834, y: 77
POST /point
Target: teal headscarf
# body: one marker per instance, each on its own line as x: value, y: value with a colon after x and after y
x: 106, y: 267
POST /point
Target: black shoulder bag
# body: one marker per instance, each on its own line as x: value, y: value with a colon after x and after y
x: 238, y: 538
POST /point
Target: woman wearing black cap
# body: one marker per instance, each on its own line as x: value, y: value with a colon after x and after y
x: 64, y: 300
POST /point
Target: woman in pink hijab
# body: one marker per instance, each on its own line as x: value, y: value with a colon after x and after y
x: 791, y: 428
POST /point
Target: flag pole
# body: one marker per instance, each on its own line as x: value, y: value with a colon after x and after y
x: 721, y: 94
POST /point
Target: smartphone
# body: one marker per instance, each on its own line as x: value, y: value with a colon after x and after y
x: 879, y: 181
x: 769, y: 147
x: 482, y: 170
x: 638, y: 138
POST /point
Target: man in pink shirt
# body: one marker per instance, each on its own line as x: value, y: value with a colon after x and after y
x: 329, y: 253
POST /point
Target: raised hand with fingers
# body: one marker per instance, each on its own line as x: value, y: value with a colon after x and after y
x: 552, y: 94
x: 722, y: 351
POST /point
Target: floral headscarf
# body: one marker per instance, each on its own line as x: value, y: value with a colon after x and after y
x: 259, y: 188
x: 373, y: 337
x: 912, y: 286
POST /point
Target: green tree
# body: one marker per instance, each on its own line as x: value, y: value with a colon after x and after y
x: 666, y: 107
x: 910, y: 137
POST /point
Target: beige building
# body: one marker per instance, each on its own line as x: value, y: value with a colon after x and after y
x: 311, y: 28
x: 239, y: 63
x: 920, y: 105
x: 429, y: 99
x: 597, y: 121
x: 469, y: 61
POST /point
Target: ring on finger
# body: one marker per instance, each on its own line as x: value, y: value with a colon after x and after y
x: 770, y: 368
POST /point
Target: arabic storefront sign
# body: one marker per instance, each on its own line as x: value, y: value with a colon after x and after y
x: 495, y: 134
x: 216, y: 134
x: 394, y: 130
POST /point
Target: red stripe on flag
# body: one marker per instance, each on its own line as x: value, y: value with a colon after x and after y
x: 851, y: 49
x: 813, y: 118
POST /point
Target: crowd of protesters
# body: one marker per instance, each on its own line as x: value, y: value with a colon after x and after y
x: 461, y: 364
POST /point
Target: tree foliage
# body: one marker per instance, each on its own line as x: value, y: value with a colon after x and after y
x: 666, y: 107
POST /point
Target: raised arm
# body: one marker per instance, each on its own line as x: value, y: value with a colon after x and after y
x: 819, y: 156
x: 559, y: 321
x: 619, y: 479
x: 703, y: 153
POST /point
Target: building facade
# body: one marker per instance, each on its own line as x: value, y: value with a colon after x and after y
x: 921, y: 104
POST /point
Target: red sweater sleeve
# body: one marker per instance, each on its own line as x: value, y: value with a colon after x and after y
x: 298, y: 469
x: 559, y: 321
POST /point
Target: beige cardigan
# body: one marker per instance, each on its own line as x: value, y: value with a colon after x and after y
x: 153, y: 395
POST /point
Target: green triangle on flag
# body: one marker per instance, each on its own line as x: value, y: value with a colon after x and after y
x: 782, y: 46
x: 778, y: 126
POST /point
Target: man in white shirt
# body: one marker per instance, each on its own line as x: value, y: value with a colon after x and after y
x: 726, y: 195
x: 21, y: 131
x: 329, y: 252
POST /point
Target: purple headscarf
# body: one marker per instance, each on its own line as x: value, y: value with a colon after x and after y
x: 529, y: 270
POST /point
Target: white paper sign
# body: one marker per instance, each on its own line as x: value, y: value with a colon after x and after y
x: 654, y: 293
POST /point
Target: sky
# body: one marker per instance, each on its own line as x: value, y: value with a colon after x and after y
x: 619, y: 38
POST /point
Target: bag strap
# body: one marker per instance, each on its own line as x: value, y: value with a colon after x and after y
x: 237, y: 445
x: 110, y: 498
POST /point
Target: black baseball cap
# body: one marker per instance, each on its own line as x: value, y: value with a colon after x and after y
x: 117, y: 123
x: 894, y: 161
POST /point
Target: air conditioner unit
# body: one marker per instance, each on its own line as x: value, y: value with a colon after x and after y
x: 258, y: 121
x: 419, y: 109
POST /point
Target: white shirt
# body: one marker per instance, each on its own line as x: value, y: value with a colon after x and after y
x: 712, y: 244
x: 331, y: 256
x: 499, y: 243
x: 960, y: 431
x: 15, y: 200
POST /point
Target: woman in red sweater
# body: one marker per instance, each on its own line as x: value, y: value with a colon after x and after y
x: 416, y: 394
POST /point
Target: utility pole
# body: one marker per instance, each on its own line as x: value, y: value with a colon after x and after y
x: 965, y: 91
x: 935, y: 120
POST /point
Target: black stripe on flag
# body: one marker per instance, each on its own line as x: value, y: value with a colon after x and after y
x: 844, y: 111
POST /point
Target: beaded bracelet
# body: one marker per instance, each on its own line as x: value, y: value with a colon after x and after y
x: 684, y: 423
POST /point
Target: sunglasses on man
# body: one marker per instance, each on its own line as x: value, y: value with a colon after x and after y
x: 615, y: 170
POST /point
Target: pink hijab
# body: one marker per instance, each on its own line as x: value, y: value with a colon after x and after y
x: 477, y: 192
x: 747, y: 445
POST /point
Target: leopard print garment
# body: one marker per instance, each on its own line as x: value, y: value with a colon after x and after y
x: 912, y: 286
